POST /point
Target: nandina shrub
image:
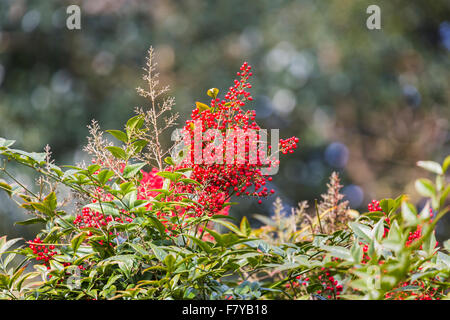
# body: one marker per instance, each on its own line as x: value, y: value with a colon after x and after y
x: 141, y: 220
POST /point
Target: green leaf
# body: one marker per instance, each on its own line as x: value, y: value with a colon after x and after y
x: 78, y: 240
x: 139, y: 145
x: 117, y: 152
x: 50, y: 201
x: 135, y: 123
x: 160, y: 254
x: 93, y: 168
x: 30, y: 221
x: 229, y: 226
x: 361, y: 230
x: 213, y: 92
x: 111, y: 281
x: 119, y: 135
x: 200, y: 243
x: 104, y: 176
x: 216, y: 236
x: 429, y: 244
x: 169, y: 161
x: 378, y: 230
x: 425, y: 188
x: 126, y: 187
x: 172, y: 176
x: 356, y: 252
x: 132, y: 169
x: 409, y: 214
x: 444, y: 196
x: 431, y: 166
x: 6, y: 143
x: 139, y: 249
x: 339, y: 252
x: 245, y: 226
x: 6, y: 187
x: 190, y: 181
x: 42, y: 208
x: 169, y: 261
x: 157, y: 224
x: 446, y: 164
x: 105, y: 208
x: 5, y: 245
x: 202, y: 107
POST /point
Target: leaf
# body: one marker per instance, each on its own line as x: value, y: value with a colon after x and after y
x: 213, y: 92
x: 425, y: 212
x: 126, y: 187
x: 446, y: 164
x: 105, y: 208
x: 202, y: 107
x: 117, y: 152
x: 131, y: 170
x: 245, y: 226
x: 30, y: 221
x: 356, y: 252
x: 104, y: 176
x: 429, y: 244
x: 111, y: 280
x: 135, y: 122
x: 216, y: 236
x: 339, y: 252
x: 139, y: 249
x: 139, y: 145
x: 190, y: 181
x: 172, y: 176
x: 409, y: 214
x: 444, y: 196
x: 160, y: 254
x: 5, y: 245
x: 6, y: 143
x: 425, y: 188
x: 431, y: 166
x: 77, y: 241
x: 119, y: 135
x: 378, y: 230
x: 200, y: 243
x: 169, y: 261
x: 93, y: 168
x: 42, y: 208
x: 158, y: 224
x: 229, y: 226
x: 169, y: 161
x: 361, y: 230
x: 50, y: 201
x: 6, y: 187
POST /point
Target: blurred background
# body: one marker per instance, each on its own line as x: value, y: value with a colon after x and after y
x: 365, y: 103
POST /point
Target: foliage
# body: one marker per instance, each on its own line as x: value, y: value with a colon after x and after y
x: 154, y: 234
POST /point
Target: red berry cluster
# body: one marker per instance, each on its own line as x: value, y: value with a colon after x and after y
x: 91, y: 219
x: 44, y: 253
x: 288, y: 145
x: 219, y: 181
x: 422, y: 292
x: 331, y: 287
x: 149, y: 182
x: 375, y: 206
x: 241, y: 176
x: 414, y: 235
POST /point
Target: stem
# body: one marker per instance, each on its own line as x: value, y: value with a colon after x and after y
x: 18, y: 182
x: 318, y: 215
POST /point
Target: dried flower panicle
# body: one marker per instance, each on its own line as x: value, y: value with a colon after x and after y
x: 332, y: 209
